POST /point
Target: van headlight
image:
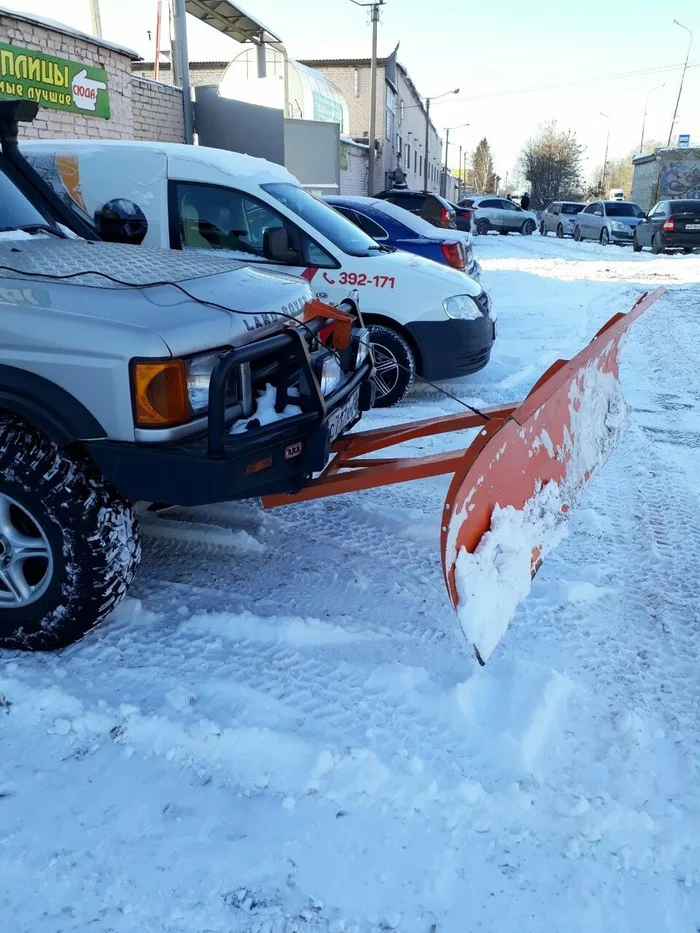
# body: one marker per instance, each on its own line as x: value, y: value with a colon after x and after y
x: 461, y: 308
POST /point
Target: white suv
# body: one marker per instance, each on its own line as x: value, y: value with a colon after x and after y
x: 492, y: 213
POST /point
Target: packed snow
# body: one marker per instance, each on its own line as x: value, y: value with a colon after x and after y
x: 283, y: 730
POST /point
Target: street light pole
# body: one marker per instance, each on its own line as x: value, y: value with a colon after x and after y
x: 605, y: 158
x: 680, y: 89
x: 443, y: 189
x: 459, y: 176
x: 427, y: 133
x: 644, y: 118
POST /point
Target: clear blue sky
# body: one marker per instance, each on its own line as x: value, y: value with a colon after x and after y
x: 511, y: 59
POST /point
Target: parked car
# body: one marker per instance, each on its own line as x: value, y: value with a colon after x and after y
x: 560, y: 218
x: 422, y: 317
x: 492, y: 213
x: 140, y: 374
x: 393, y: 226
x: 464, y: 217
x: 431, y: 207
x: 608, y: 222
x: 670, y: 225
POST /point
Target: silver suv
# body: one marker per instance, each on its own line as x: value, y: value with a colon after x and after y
x: 608, y: 222
x: 560, y: 218
x: 492, y: 213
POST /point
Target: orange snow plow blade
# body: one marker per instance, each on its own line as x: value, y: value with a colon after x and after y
x: 513, y: 487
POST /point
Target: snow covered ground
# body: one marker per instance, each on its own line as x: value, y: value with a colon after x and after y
x: 281, y: 730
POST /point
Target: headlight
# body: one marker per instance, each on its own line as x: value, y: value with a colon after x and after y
x: 362, y: 343
x: 617, y: 225
x: 461, y: 308
x: 199, y: 372
x: 328, y: 373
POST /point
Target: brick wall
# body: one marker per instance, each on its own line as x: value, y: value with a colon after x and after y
x: 140, y: 109
x: 645, y: 182
x: 668, y: 173
x: 353, y: 179
x: 157, y: 111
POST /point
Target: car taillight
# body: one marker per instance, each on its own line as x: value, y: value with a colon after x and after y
x: 669, y: 224
x: 444, y: 216
x: 453, y: 254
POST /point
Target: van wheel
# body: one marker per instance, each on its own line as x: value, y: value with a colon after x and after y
x: 560, y: 231
x: 604, y: 237
x: 69, y: 543
x: 394, y: 365
x: 577, y: 234
x: 482, y: 226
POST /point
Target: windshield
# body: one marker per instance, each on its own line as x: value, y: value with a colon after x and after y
x: 622, y: 209
x: 336, y: 228
x: 16, y: 211
x: 572, y: 208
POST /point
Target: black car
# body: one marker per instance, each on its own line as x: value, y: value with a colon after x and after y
x: 431, y: 207
x: 670, y: 225
x: 463, y: 216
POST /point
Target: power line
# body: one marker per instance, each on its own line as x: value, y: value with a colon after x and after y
x: 554, y: 87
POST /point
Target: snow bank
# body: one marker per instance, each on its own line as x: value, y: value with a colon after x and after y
x: 497, y: 577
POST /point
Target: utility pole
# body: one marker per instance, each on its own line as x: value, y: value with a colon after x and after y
x: 156, y: 52
x: 181, y: 65
x: 95, y: 18
x: 447, y: 146
x: 644, y: 118
x: 374, y: 19
x: 605, y: 158
x: 459, y: 175
x: 680, y: 89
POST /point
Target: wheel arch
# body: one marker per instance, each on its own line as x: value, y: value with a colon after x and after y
x: 46, y: 406
x: 369, y: 317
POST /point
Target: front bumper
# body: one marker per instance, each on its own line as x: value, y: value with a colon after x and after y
x: 216, y: 466
x: 622, y: 236
x: 453, y: 348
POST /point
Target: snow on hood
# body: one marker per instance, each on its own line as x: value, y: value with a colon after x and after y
x: 496, y: 578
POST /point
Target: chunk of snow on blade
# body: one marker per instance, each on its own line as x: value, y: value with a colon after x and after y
x: 493, y: 580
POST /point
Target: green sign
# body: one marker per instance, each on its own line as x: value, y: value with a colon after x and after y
x: 53, y: 82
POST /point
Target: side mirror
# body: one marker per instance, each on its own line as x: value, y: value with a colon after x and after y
x: 121, y: 221
x: 276, y: 247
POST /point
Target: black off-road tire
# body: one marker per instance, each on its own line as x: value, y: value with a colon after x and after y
x: 90, y: 530
x: 392, y: 382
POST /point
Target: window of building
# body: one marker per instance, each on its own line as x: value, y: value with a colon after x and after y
x: 415, y: 161
x: 401, y: 111
x: 390, y: 111
x: 420, y: 170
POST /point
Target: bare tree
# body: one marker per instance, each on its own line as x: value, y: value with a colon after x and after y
x: 482, y: 167
x: 551, y: 162
x: 618, y: 173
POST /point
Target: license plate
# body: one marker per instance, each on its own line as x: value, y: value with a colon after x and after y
x: 340, y: 419
x: 692, y: 226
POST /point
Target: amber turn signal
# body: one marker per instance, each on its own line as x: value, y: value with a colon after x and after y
x: 160, y: 393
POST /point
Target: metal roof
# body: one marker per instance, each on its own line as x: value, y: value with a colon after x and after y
x: 231, y: 20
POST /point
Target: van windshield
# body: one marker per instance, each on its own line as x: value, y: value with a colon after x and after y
x: 336, y: 228
x: 16, y: 211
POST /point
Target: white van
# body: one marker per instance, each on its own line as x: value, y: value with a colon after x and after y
x: 423, y: 317
x: 616, y: 194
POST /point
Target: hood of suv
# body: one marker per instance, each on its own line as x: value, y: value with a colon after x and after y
x: 75, y: 277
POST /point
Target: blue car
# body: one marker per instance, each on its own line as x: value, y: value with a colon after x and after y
x: 391, y: 225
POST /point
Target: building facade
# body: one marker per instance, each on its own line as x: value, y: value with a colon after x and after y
x: 401, y: 118
x: 665, y: 174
